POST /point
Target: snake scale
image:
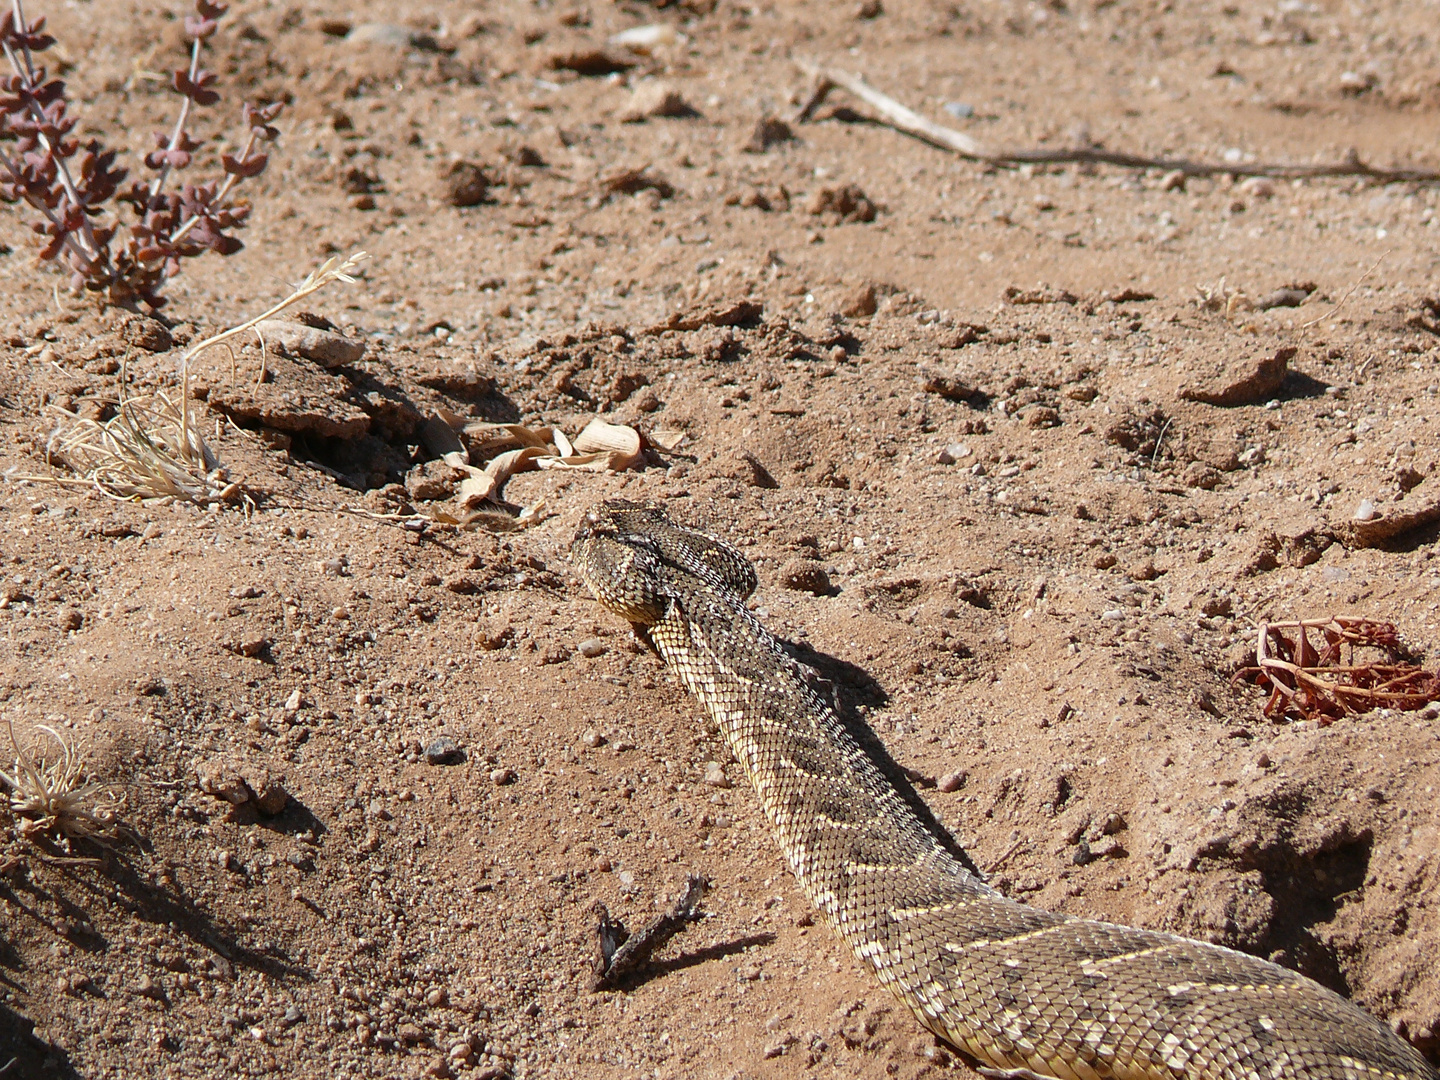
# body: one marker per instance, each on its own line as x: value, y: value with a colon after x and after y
x: 1024, y: 993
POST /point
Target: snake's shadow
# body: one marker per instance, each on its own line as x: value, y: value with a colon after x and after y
x: 848, y: 688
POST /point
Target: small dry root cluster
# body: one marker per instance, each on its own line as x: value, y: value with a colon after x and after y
x: 1311, y: 670
x: 50, y: 790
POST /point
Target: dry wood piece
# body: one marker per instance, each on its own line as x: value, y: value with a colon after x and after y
x: 1305, y: 666
x: 896, y: 115
x: 622, y: 953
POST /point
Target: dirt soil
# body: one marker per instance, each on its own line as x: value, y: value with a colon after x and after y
x: 1040, y: 430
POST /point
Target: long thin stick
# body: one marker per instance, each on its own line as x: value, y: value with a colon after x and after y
x: 896, y: 115
x: 1348, y: 292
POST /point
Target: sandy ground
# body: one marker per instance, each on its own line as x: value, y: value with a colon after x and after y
x: 982, y: 412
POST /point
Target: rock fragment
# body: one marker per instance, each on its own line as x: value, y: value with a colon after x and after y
x: 325, y: 347
x: 655, y: 99
x: 444, y: 751
x: 768, y: 132
x: 1247, y: 381
x: 952, y: 781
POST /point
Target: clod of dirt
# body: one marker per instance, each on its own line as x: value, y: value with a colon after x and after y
x: 1240, y: 382
x: 444, y: 751
x: 243, y: 783
x: 736, y: 313
x: 655, y: 100
x: 149, y: 334
x: 629, y: 181
x: 432, y: 481
x: 299, y: 399
x: 768, y: 132
x: 960, y: 335
x: 590, y: 61
x: 847, y: 203
x: 1426, y: 315
x: 861, y: 302
x: 359, y: 181
x: 749, y: 469
x: 464, y: 183
x: 325, y: 347
x: 1286, y: 296
x: 805, y: 575
x: 1041, y: 294
x: 1379, y: 527
x: 1199, y: 475
x: 1138, y: 432
x: 947, y: 386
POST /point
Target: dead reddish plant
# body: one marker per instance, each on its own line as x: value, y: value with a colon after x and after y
x: 1311, y: 670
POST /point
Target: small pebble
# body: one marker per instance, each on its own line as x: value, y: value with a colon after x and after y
x: 437, y: 997
x: 255, y: 646
x: 593, y: 739
x: 444, y: 751
x: 953, y: 453
x: 952, y: 781
x: 593, y: 647
x: 502, y: 776
x: 1365, y: 511
x: 715, y: 775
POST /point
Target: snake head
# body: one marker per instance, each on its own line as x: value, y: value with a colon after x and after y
x: 619, y: 561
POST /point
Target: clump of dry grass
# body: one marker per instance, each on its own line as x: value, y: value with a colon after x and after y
x: 50, y: 790
x: 152, y: 449
x: 148, y: 451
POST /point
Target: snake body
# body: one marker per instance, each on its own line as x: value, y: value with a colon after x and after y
x: 1025, y: 993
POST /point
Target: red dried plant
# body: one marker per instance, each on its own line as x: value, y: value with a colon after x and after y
x: 1317, y: 680
x: 70, y: 184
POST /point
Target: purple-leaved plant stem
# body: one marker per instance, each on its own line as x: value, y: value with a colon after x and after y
x: 177, y: 136
x: 90, y: 250
x: 231, y: 179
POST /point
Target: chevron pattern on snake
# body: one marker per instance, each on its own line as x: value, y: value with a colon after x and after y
x: 1023, y: 992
